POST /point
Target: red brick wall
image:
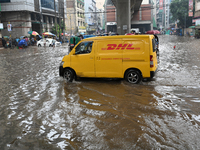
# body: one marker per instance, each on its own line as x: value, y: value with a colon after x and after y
x: 111, y: 14
x: 145, y: 13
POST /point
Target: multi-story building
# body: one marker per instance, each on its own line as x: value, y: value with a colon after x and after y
x: 159, y: 12
x: 27, y: 15
x: 163, y: 14
x: 110, y: 17
x: 91, y: 16
x: 75, y: 17
x: 100, y: 15
x: 196, y: 18
x: 143, y: 19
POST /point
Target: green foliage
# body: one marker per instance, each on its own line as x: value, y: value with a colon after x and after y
x: 62, y: 26
x: 179, y: 10
x: 59, y: 30
x: 54, y: 31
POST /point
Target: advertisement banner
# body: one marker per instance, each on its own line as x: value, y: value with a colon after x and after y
x: 9, y: 27
x: 190, y: 10
x: 1, y: 25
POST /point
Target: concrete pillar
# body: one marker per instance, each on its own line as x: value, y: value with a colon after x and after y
x: 50, y: 23
x: 47, y: 23
x: 123, y: 17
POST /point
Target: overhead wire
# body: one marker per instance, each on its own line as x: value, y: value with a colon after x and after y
x: 97, y: 12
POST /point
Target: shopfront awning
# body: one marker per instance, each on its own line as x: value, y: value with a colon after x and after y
x: 191, y: 27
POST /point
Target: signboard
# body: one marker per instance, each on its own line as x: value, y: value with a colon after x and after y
x: 9, y: 26
x: 194, y: 20
x: 1, y: 25
x: 197, y: 23
x: 125, y: 27
x: 111, y: 23
x: 190, y: 10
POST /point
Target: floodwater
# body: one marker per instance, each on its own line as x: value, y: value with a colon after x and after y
x: 40, y: 111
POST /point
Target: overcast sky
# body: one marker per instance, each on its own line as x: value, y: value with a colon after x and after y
x: 100, y: 3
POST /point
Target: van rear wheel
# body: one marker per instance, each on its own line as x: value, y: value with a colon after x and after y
x: 133, y: 76
x: 68, y: 75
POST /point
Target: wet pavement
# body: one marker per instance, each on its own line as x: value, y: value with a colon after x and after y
x: 40, y: 111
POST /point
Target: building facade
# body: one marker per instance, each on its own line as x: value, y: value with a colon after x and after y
x: 110, y: 17
x: 91, y: 16
x: 164, y: 15
x: 30, y: 15
x: 196, y: 18
x: 75, y: 17
x: 143, y: 19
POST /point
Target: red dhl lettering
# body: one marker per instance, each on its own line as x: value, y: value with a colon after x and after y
x: 120, y: 47
x: 130, y: 46
x: 111, y: 46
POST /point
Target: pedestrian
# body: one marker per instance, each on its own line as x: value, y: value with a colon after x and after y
x: 32, y: 41
x: 3, y: 42
x: 44, y: 42
x: 54, y: 42
x: 81, y: 36
x: 133, y: 32
x: 10, y: 42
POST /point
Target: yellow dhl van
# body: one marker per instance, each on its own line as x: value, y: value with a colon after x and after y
x: 132, y: 57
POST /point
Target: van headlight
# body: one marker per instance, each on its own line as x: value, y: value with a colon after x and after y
x: 62, y: 62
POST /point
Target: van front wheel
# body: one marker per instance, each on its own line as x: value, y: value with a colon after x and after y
x: 68, y: 75
x: 133, y: 76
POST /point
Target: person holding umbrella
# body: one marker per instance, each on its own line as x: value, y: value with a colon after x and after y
x: 34, y: 34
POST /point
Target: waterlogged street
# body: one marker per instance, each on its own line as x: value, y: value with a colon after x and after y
x: 40, y: 111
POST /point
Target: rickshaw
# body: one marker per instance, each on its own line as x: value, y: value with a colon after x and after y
x: 73, y: 41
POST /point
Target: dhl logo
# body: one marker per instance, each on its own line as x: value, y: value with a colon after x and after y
x: 120, y: 47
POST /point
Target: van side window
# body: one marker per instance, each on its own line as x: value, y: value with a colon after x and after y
x: 154, y: 45
x: 84, y: 48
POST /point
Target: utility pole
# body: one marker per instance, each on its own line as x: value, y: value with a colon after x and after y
x: 41, y: 18
x: 96, y: 17
x: 64, y: 21
x: 70, y: 25
x: 75, y: 14
x: 185, y: 24
x: 59, y: 12
x: 129, y: 17
x: 55, y: 16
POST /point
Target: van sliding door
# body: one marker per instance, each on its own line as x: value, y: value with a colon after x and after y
x: 108, y: 58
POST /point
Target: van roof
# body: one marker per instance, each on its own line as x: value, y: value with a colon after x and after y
x: 118, y: 36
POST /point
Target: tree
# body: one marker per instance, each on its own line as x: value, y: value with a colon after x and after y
x: 179, y: 10
x: 60, y: 28
x: 54, y: 31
